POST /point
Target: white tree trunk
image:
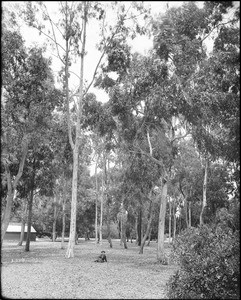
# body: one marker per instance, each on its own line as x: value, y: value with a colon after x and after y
x: 55, y: 219
x: 63, y: 217
x: 136, y: 229
x: 71, y: 243
x: 189, y: 213
x: 170, y: 221
x: 174, y: 222
x: 75, y: 147
x: 204, y: 203
x: 96, y: 204
x: 161, y: 226
x: 101, y: 207
x: 121, y: 228
x: 186, y: 211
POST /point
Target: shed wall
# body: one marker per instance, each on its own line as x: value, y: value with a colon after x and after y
x: 15, y: 236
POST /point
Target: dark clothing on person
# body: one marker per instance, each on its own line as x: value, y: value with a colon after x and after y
x: 102, y: 258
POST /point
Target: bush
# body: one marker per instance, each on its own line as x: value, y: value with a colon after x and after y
x: 208, y: 257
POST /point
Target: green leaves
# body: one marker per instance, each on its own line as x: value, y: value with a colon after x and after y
x: 208, y: 260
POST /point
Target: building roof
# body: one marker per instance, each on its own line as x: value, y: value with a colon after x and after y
x: 16, y: 227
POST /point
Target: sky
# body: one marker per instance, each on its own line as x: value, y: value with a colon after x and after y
x: 141, y: 44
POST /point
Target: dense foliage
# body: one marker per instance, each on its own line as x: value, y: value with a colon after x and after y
x: 209, y: 261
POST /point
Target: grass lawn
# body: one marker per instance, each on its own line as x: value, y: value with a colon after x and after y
x: 45, y: 273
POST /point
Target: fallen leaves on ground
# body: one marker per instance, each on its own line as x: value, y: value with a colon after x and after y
x: 45, y: 273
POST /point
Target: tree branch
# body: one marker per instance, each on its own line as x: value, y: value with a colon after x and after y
x: 21, y: 165
x: 67, y: 86
x: 215, y: 28
x: 180, y: 137
x: 9, y: 183
x: 149, y: 142
x: 40, y: 30
x: 181, y: 190
x: 102, y: 55
x: 96, y: 68
x: 158, y: 162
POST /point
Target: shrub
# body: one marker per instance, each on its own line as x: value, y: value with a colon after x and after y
x: 208, y: 259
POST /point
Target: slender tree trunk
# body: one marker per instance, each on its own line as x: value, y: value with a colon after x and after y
x: 123, y: 226
x: 161, y: 226
x: 189, y: 214
x: 71, y: 243
x: 96, y: 203
x: 123, y: 235
x: 147, y: 229
x: 186, y: 211
x: 204, y: 203
x: 24, y: 213
x: 7, y: 212
x: 55, y: 219
x: 63, y: 217
x: 108, y: 224
x: 12, y: 185
x: 108, y: 221
x: 149, y: 238
x: 170, y: 221
x: 27, y: 246
x: 108, y: 199
x: 75, y: 147
x: 22, y: 233
x: 174, y: 223
x: 139, y: 226
x: 136, y: 228
x: 101, y: 208
x: 77, y: 237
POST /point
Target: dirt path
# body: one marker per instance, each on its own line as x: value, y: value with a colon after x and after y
x: 45, y: 273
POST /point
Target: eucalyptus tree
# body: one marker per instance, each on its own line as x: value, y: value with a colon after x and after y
x: 26, y: 107
x: 155, y: 100
x: 146, y: 126
x: 179, y: 41
x: 72, y: 27
x: 188, y: 175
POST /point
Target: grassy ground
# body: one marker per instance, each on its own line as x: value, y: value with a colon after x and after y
x: 45, y: 273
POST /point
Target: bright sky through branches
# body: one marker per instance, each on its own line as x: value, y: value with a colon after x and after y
x: 140, y: 44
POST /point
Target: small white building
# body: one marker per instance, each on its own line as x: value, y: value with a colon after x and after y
x: 14, y: 232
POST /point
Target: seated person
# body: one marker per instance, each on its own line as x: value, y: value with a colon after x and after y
x: 102, y: 258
